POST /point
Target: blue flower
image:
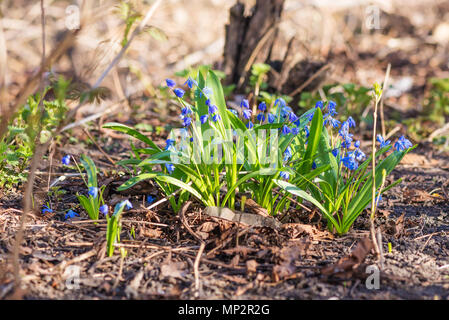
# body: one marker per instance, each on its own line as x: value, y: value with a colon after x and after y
x: 190, y: 83
x: 382, y: 141
x: 249, y: 125
x: 187, y: 121
x: 150, y: 199
x: 335, y: 152
x: 351, y: 122
x: 333, y: 122
x: 285, y: 111
x: 319, y: 104
x: 271, y: 118
x: 170, y: 83
x: 402, y: 144
x: 93, y: 191
x: 204, y: 118
x: 186, y: 111
x: 179, y: 92
x: 280, y: 102
x: 244, y: 104
x: 261, y: 117
x: 208, y: 102
x: 357, y: 144
x: 128, y: 204
x: 216, y: 118
x: 331, y: 107
x: 213, y: 109
x: 350, y: 162
x: 310, y: 116
x: 285, y: 130
x: 71, y: 214
x: 262, y: 106
x: 306, y: 130
x: 292, y: 117
x: 284, y: 175
x: 170, y: 145
x: 170, y: 167
x: 313, y: 165
x: 247, y: 113
x: 66, y: 160
x: 359, y: 155
x: 288, y: 154
x: 46, y: 209
x: 104, y: 209
x: 295, y: 131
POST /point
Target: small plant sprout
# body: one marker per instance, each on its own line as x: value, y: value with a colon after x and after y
x: 93, y: 203
x: 114, y: 226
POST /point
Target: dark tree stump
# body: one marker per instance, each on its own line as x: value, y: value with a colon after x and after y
x: 250, y: 39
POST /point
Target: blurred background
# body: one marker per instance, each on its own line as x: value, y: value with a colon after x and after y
x: 343, y: 46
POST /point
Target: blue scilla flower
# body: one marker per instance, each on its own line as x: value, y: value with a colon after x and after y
x: 204, y: 118
x: 292, y: 117
x: 186, y: 111
x: 170, y: 83
x: 359, y: 155
x: 93, y: 191
x: 285, y: 130
x: 331, y: 108
x: 150, y: 199
x: 66, y: 160
x: 190, y: 82
x: 285, y: 111
x: 310, y: 116
x: 288, y: 154
x: 280, y: 102
x: 249, y: 125
x: 170, y: 145
x: 212, y: 109
x: 128, y: 204
x: 357, y: 144
x: 216, y: 118
x: 350, y: 162
x: 247, y: 113
x: 284, y: 175
x: 295, y: 131
x: 104, y: 209
x: 46, y: 209
x: 244, y: 104
x: 332, y: 121
x: 262, y: 106
x: 170, y: 167
x: 313, y: 165
x: 271, y: 118
x: 207, y: 102
x: 335, y: 152
x: 179, y: 92
x: 351, y: 122
x: 319, y: 104
x: 261, y: 117
x: 382, y: 141
x: 402, y: 144
x: 71, y: 214
x: 307, y: 131
x: 187, y: 121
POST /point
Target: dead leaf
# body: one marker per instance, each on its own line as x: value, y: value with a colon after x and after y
x: 207, y: 226
x: 399, y: 226
x: 251, y: 265
x: 297, y: 229
x: 346, y: 266
x: 174, y: 270
x: 287, y: 256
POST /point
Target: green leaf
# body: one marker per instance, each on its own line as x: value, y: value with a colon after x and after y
x: 132, y: 132
x: 91, y: 170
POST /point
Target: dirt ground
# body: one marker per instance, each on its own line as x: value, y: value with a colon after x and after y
x: 300, y: 260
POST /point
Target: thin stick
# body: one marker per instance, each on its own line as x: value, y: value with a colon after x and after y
x: 306, y: 83
x: 382, y: 118
x: 196, y: 269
